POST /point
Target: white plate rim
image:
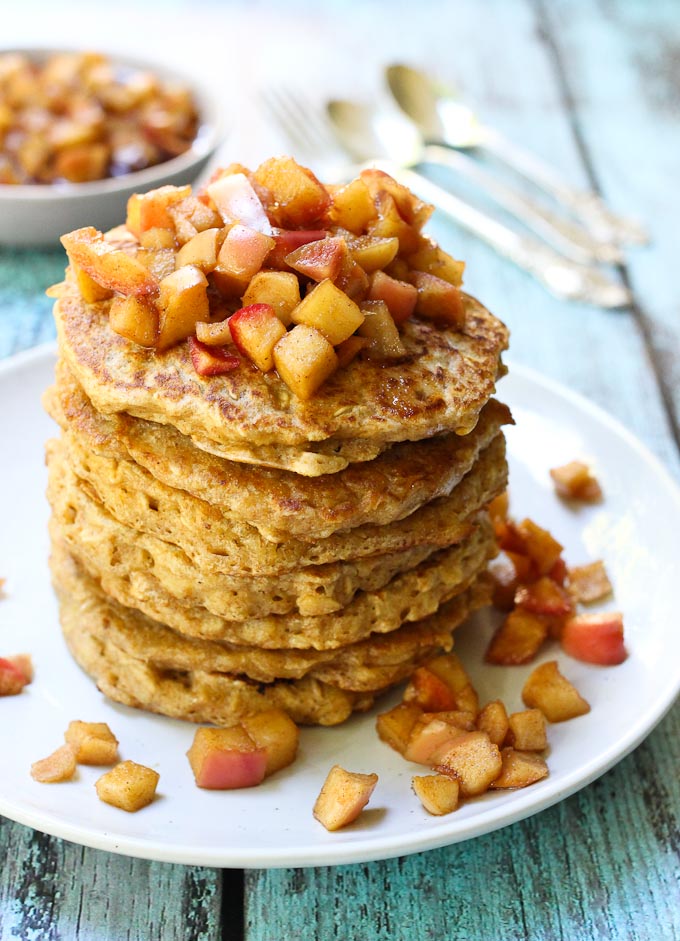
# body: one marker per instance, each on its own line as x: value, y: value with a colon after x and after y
x: 526, y: 803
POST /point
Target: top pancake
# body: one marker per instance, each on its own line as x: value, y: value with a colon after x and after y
x: 252, y: 417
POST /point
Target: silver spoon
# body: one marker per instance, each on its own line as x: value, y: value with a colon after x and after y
x: 563, y: 277
x: 444, y: 120
x: 365, y: 129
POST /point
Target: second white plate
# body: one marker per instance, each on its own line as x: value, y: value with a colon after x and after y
x: 635, y: 530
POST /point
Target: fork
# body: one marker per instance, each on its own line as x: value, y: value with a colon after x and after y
x: 307, y: 128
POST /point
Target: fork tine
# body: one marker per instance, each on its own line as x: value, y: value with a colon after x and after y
x: 302, y: 122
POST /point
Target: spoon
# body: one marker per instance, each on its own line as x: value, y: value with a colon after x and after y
x: 562, y: 276
x: 444, y: 120
x: 364, y: 129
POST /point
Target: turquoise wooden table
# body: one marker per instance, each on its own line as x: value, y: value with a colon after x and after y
x: 594, y: 88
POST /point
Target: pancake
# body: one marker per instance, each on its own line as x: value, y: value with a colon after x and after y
x: 314, y: 590
x: 249, y: 416
x: 279, y: 504
x: 367, y: 666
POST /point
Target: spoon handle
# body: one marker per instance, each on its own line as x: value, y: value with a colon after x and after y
x: 585, y: 205
x: 562, y: 277
x: 566, y: 235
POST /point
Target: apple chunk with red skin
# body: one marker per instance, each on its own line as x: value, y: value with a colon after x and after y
x: 400, y: 296
x: 211, y: 360
x: 438, y: 299
x: 595, y: 638
x: 12, y: 678
x: 320, y: 259
x: 225, y: 759
x: 109, y: 266
x: 289, y: 240
x: 255, y: 331
x: 243, y: 251
x: 237, y: 201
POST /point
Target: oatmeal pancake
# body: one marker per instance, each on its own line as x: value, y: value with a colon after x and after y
x: 277, y: 503
x: 440, y: 386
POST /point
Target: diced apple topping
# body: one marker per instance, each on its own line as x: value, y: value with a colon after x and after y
x: 473, y: 760
x: 214, y: 334
x: 57, y: 767
x: 395, y: 726
x: 527, y: 730
x: 304, y: 359
x: 519, y: 769
x: 183, y: 302
x: 595, y: 638
x: 518, y: 639
x: 14, y: 675
x: 343, y: 796
x: 224, y: 759
x: 548, y: 690
x: 211, y: 360
x: 93, y: 742
x: 260, y: 238
x: 575, y: 481
x: 493, y: 719
x: 433, y: 734
x: 275, y: 731
x: 589, y: 583
x: 255, y: 331
x: 438, y: 793
x: 129, y: 786
x: 109, y: 266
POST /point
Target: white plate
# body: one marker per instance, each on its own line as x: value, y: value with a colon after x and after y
x: 635, y: 530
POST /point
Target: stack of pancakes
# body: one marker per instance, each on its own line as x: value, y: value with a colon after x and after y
x: 221, y: 547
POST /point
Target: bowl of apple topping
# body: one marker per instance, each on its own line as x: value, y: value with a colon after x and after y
x: 81, y: 131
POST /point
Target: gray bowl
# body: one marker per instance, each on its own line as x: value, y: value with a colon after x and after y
x: 38, y: 215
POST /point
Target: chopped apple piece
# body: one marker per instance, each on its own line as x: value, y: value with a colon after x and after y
x: 589, y: 583
x: 225, y: 759
x: 57, y: 767
x: 287, y: 241
x: 240, y: 258
x: 493, y: 719
x: 527, y: 730
x: 438, y: 299
x: 93, y: 742
x: 352, y: 279
x: 544, y: 596
x: 150, y: 210
x: 183, y: 302
x: 518, y: 639
x: 276, y: 732
x: 22, y: 661
x: 90, y: 291
x: 595, y: 638
x: 395, y: 726
x: 256, y: 330
x: 201, y: 250
x: 349, y: 348
x: 575, y: 481
x: 548, y: 690
x: 413, y: 210
x: 279, y: 289
x: 434, y: 260
x: 211, y: 360
x: 320, y: 260
x: 449, y: 669
x: 438, y: 793
x: 432, y: 735
x: 384, y: 342
x: 473, y: 760
x: 390, y: 224
x: 505, y: 584
x: 519, y: 769
x: 128, y: 786
x: 214, y: 334
x: 304, y: 359
x: 160, y: 262
x: 297, y: 198
x: 107, y: 265
x: 543, y: 550
x: 352, y: 207
x: 135, y: 318
x: 374, y: 253
x: 400, y: 296
x: 343, y: 796
x: 429, y: 691
x: 156, y: 239
x: 330, y: 311
x: 237, y: 201
x: 12, y: 678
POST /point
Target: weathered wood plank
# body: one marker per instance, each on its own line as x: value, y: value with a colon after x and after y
x: 601, y: 865
x: 52, y: 890
x: 25, y: 311
x: 620, y: 64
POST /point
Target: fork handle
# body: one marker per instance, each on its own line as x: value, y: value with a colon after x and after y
x: 585, y: 205
x: 562, y: 277
x: 564, y: 234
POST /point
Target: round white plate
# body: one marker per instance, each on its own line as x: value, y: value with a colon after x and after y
x: 635, y: 530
